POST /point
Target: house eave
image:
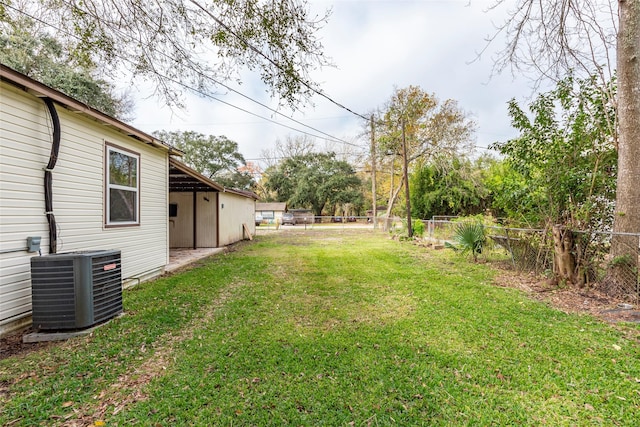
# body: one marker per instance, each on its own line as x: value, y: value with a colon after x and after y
x: 40, y: 90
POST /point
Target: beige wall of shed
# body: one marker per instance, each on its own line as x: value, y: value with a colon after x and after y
x: 78, y: 196
x: 181, y: 227
x: 207, y: 223
x: 235, y: 210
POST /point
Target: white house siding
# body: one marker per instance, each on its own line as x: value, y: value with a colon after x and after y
x: 78, y: 195
x: 20, y: 173
x: 235, y: 210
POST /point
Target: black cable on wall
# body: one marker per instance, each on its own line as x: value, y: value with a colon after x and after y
x: 48, y: 177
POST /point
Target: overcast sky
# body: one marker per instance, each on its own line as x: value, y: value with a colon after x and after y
x: 376, y: 45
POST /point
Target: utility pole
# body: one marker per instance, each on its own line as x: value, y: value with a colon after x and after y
x: 406, y: 180
x: 374, y: 212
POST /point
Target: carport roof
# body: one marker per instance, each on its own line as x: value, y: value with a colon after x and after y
x: 183, y: 178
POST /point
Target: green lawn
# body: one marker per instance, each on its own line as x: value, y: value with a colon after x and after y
x: 332, y: 328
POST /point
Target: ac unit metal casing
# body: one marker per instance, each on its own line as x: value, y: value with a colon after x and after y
x: 75, y: 290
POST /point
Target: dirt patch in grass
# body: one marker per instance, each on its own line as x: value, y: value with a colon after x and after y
x: 12, y: 345
x: 387, y: 309
x: 569, y: 299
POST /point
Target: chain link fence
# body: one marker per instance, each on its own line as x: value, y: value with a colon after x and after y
x: 588, y: 254
x: 526, y: 250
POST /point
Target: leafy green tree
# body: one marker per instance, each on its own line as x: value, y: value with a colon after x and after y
x: 553, y: 37
x: 314, y: 181
x: 44, y: 58
x: 238, y: 179
x: 428, y: 126
x: 565, y: 154
x: 175, y: 44
x: 450, y: 186
x: 566, y: 159
x: 214, y: 156
x: 511, y: 195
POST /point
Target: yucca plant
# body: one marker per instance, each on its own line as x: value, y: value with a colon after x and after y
x: 469, y: 237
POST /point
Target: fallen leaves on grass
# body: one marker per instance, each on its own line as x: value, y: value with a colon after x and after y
x: 568, y: 299
x: 128, y: 388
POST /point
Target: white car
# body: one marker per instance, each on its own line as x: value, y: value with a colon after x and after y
x: 258, y: 219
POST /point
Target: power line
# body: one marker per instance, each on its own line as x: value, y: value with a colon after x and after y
x: 274, y: 63
x: 261, y: 104
x: 249, y: 112
x: 331, y: 137
x: 282, y: 157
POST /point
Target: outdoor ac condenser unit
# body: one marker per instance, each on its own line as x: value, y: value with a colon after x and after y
x: 75, y: 290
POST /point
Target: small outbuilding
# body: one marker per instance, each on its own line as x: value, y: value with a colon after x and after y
x: 204, y: 214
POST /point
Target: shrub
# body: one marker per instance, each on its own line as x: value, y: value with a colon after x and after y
x: 418, y: 227
x: 470, y: 237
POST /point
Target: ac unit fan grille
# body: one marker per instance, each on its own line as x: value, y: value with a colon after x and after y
x: 75, y: 290
x: 107, y: 288
x: 53, y: 293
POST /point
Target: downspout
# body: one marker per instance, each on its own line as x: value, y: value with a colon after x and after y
x: 48, y: 177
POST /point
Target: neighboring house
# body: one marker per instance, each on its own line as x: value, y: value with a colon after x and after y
x: 204, y: 214
x: 271, y: 212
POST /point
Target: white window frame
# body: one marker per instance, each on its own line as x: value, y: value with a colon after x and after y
x: 109, y: 148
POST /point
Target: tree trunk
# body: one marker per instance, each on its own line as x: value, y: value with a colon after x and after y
x: 565, y: 267
x: 405, y: 177
x: 374, y: 190
x: 627, y: 211
x: 392, y: 201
